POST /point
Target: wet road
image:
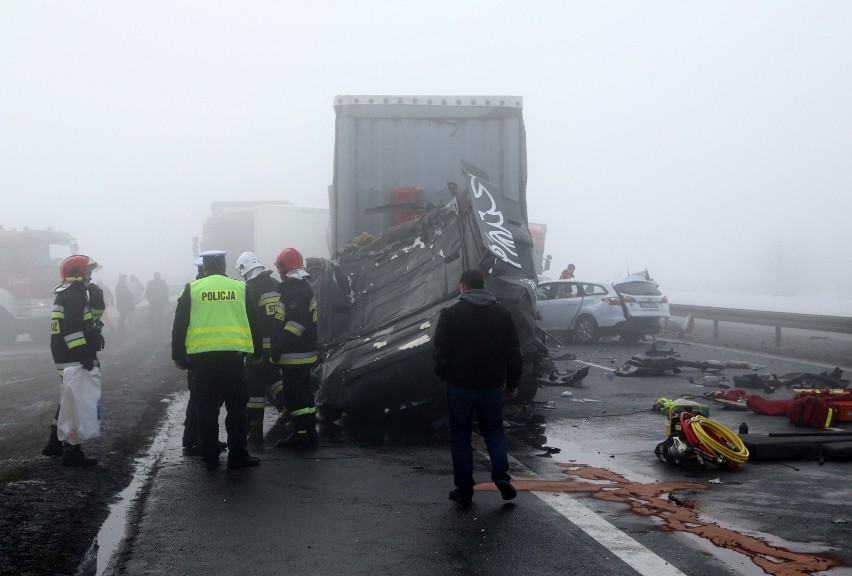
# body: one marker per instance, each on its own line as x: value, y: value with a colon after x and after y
x: 373, y: 500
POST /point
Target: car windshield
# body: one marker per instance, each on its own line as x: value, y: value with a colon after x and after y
x: 638, y: 288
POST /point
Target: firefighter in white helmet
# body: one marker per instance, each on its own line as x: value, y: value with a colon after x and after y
x: 264, y: 378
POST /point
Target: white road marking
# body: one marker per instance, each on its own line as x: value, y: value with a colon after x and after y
x: 607, y: 368
x: 629, y: 550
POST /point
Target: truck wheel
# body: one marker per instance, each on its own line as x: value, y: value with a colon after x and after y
x: 8, y: 333
x: 586, y: 330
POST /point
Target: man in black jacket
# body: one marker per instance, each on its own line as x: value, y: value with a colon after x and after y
x: 476, y: 352
x: 264, y: 378
x: 294, y: 347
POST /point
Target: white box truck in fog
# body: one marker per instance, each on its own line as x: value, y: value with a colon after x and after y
x: 265, y: 228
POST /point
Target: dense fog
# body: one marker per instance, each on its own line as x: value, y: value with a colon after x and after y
x: 706, y: 142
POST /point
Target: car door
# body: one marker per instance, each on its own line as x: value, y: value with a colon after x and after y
x: 558, y: 303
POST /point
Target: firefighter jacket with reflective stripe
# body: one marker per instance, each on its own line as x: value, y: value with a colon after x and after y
x: 213, y: 315
x: 72, y: 327
x: 96, y: 302
x: 262, y: 292
x: 294, y: 329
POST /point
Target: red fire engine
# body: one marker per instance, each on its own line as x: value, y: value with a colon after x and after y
x: 29, y: 270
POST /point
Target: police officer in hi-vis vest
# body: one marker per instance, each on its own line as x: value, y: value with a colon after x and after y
x: 214, y: 328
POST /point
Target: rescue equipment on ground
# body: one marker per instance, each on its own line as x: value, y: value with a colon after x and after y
x: 692, y: 436
x: 811, y: 407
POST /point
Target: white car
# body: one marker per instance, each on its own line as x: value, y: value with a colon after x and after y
x: 630, y: 307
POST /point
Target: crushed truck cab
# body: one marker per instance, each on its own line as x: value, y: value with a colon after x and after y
x: 424, y: 188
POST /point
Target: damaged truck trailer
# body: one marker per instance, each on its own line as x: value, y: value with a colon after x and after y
x: 424, y: 188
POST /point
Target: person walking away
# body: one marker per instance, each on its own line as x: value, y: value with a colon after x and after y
x: 214, y: 328
x: 123, y: 302
x: 568, y: 273
x: 476, y: 352
x: 136, y: 288
x: 294, y: 347
x: 74, y: 339
x: 157, y: 294
x: 264, y: 378
x: 97, y: 290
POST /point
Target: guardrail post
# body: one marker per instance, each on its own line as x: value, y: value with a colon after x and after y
x: 715, y: 328
x: 778, y: 336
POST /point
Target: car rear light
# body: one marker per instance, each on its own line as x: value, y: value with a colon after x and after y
x: 628, y: 299
x: 665, y: 300
x: 612, y: 300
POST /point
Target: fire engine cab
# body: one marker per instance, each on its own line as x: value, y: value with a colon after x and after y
x: 29, y: 270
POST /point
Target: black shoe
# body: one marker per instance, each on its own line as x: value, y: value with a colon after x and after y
x: 248, y: 462
x: 195, y: 449
x: 457, y: 495
x: 296, y: 441
x: 212, y: 464
x: 506, y: 489
x: 75, y: 457
x: 53, y: 447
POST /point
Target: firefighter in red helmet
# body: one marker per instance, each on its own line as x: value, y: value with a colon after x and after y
x: 74, y: 338
x: 294, y: 347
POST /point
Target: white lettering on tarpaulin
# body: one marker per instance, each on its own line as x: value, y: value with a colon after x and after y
x: 504, y: 241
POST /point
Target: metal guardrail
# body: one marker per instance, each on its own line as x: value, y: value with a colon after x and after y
x: 817, y: 322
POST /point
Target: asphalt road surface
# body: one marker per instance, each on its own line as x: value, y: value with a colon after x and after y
x: 372, y: 499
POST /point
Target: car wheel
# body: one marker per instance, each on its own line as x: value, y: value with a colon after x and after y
x: 586, y: 329
x: 631, y: 337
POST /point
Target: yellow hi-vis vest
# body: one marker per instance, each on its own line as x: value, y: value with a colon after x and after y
x: 217, y: 316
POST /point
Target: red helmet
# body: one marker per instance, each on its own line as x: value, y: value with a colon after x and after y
x: 74, y: 268
x: 289, y: 259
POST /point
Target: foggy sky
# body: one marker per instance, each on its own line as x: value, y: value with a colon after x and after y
x: 707, y: 142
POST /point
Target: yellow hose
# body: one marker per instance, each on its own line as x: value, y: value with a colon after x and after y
x: 733, y: 450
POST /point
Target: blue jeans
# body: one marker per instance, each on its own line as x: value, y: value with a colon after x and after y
x: 487, y: 405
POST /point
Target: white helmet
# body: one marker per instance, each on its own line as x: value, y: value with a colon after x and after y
x: 247, y: 262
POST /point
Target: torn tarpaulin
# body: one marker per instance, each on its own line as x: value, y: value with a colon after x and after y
x: 833, y: 379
